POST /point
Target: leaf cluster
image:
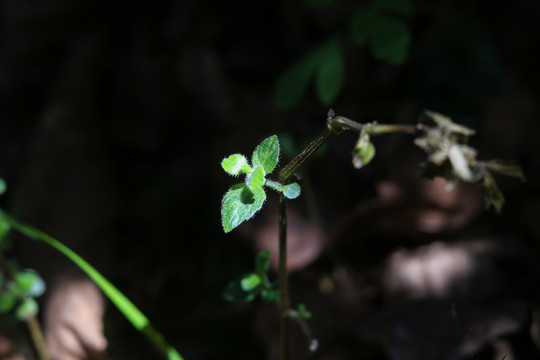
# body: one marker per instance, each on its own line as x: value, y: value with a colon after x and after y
x: 243, y: 200
x: 253, y: 284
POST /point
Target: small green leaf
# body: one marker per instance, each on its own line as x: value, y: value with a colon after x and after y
x: 292, y: 191
x: 293, y: 82
x: 262, y: 262
x: 330, y: 72
x: 270, y: 295
x: 401, y: 7
x: 235, y: 164
x: 266, y: 154
x: 27, y: 309
x: 304, y: 311
x: 389, y: 39
x: 240, y: 203
x: 3, y: 186
x: 250, y: 282
x: 360, y: 26
x: 30, y: 283
x: 7, y: 300
x: 256, y: 178
x: 364, y: 151
x: 235, y: 292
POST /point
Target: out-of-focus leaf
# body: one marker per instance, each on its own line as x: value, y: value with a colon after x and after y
x: 2, y: 186
x: 330, y: 72
x: 30, y: 283
x: 250, y: 282
x: 262, y: 262
x: 360, y: 25
x: 270, y: 295
x: 235, y: 292
x: 27, y: 309
x: 402, y: 7
x: 304, y: 311
x: 506, y: 168
x: 293, y: 82
x: 7, y: 300
x: 492, y: 194
x: 389, y: 39
x: 240, y: 203
x: 266, y: 154
x: 4, y: 227
x: 459, y: 163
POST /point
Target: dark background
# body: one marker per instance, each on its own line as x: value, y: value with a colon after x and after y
x: 114, y: 118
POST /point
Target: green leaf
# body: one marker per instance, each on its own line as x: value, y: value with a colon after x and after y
x: 364, y: 151
x: 389, y: 39
x: 27, y: 309
x: 262, y: 262
x: 30, y: 283
x: 4, y: 227
x: 7, y: 300
x: 360, y: 26
x: 330, y: 72
x: 235, y: 164
x: 256, y: 178
x: 304, y: 311
x: 292, y: 191
x: 293, y: 82
x: 270, y: 295
x: 266, y: 154
x: 401, y: 7
x: 3, y: 186
x: 240, y: 203
x: 250, y: 282
x: 235, y: 292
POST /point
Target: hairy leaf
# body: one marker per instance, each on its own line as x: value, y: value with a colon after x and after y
x: 292, y: 191
x: 266, y: 154
x: 235, y: 164
x: 330, y: 72
x: 240, y: 203
x: 256, y: 178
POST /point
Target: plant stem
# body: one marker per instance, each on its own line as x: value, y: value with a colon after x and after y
x: 283, y: 286
x: 37, y: 337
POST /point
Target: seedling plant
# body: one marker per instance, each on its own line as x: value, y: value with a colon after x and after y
x: 449, y: 156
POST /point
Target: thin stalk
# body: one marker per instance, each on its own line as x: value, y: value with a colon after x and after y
x: 283, y: 281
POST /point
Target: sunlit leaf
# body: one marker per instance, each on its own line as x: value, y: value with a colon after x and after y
x: 402, y: 7
x: 250, y: 282
x: 235, y: 164
x: 240, y: 203
x: 262, y: 262
x: 256, y: 178
x: 389, y: 39
x: 292, y: 191
x: 266, y: 154
x: 330, y: 73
